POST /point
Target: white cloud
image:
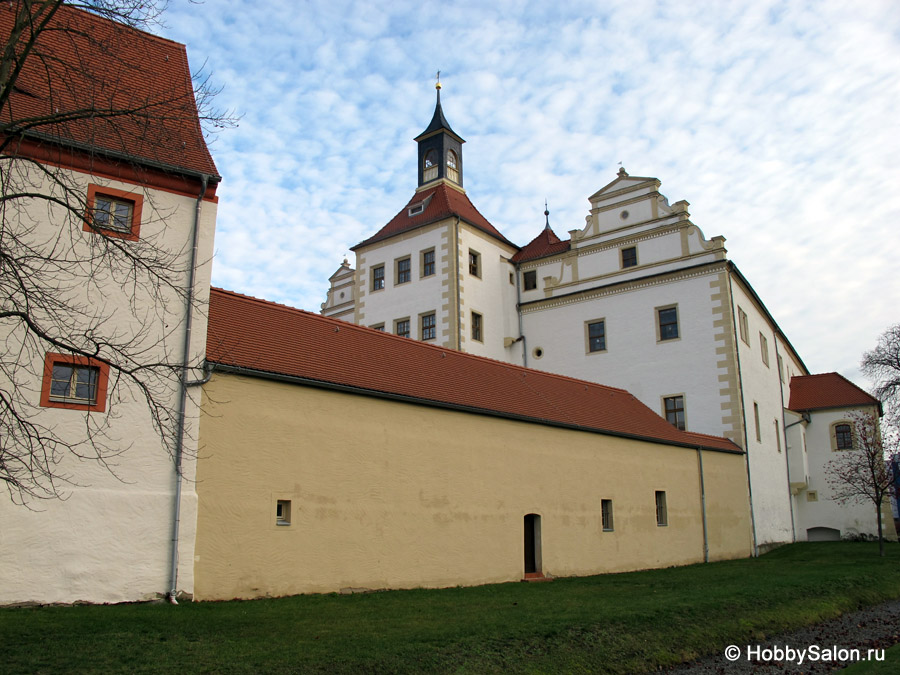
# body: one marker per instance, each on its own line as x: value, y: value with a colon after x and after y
x: 777, y: 121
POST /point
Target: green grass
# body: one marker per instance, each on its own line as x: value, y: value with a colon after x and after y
x: 890, y: 665
x: 614, y: 623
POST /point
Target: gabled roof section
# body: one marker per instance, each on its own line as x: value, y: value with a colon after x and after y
x: 827, y: 390
x: 622, y: 182
x: 97, y: 85
x: 543, y: 245
x: 264, y: 339
x: 441, y: 201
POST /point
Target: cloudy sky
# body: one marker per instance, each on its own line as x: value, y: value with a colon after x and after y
x: 778, y: 121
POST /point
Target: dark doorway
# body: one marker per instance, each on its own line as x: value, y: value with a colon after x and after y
x: 532, y: 544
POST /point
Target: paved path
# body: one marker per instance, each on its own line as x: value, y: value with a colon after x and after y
x: 873, y: 628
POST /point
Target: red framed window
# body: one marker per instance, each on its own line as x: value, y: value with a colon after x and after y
x: 74, y: 382
x: 113, y: 213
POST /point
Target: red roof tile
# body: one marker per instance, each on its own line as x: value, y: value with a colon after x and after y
x: 262, y: 336
x: 828, y: 390
x: 441, y: 201
x: 546, y: 243
x: 85, y: 67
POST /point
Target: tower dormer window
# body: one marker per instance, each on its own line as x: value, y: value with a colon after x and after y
x: 429, y: 166
x: 452, y: 166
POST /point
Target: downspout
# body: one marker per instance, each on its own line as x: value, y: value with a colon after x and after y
x: 519, y: 315
x: 703, y: 507
x: 182, y: 405
x: 737, y: 356
x: 783, y: 441
x: 456, y: 281
x: 803, y: 418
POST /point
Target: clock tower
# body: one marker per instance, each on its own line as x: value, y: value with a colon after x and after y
x: 440, y: 150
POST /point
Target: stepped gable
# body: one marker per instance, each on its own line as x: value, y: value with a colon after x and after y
x: 439, y: 202
x: 85, y: 70
x: 543, y: 245
x: 255, y: 335
x: 827, y: 390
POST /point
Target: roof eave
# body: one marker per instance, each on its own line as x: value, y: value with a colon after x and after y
x: 119, y: 155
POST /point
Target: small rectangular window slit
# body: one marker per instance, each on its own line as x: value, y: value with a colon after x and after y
x: 283, y: 512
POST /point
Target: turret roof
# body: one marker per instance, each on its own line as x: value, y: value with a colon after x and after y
x: 546, y: 243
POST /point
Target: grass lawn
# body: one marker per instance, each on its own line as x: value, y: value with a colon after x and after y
x: 619, y: 623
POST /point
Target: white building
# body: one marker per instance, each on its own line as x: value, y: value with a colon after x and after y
x: 135, y: 187
x: 638, y: 298
x: 824, y: 412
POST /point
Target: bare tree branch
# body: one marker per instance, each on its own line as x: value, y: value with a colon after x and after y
x: 882, y: 365
x: 863, y: 474
x: 68, y: 284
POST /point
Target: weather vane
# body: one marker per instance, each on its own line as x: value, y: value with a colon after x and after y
x: 438, y: 84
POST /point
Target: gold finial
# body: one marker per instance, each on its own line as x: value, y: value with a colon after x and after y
x: 438, y: 84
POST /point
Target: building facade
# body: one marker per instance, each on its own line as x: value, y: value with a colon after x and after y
x: 824, y: 414
x: 120, y: 239
x: 639, y: 298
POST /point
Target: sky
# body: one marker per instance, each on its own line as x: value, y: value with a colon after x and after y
x: 778, y: 121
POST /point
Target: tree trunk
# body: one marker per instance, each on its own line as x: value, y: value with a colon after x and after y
x: 880, y: 532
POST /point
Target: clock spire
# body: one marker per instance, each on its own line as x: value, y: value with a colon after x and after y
x: 440, y: 148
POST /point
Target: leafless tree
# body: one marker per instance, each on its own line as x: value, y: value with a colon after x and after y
x: 863, y: 474
x: 882, y: 365
x: 66, y: 96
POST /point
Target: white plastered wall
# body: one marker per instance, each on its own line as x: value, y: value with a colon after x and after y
x: 761, y: 385
x: 410, y: 299
x: 111, y: 539
x: 851, y: 519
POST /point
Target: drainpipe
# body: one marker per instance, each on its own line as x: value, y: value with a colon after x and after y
x: 456, y: 281
x: 182, y: 405
x: 519, y: 313
x: 737, y: 356
x: 703, y: 506
x: 783, y: 441
x: 803, y: 418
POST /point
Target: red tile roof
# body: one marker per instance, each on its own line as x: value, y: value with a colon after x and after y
x: 441, y: 201
x: 261, y: 336
x: 828, y: 390
x: 86, y: 68
x: 546, y: 243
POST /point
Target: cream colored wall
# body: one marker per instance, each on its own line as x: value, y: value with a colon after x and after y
x: 110, y: 540
x: 399, y: 495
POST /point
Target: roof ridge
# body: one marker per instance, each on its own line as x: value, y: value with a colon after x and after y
x: 121, y: 24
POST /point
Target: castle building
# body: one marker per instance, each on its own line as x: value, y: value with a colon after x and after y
x: 638, y: 298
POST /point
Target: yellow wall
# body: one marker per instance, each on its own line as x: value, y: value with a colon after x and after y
x: 395, y: 495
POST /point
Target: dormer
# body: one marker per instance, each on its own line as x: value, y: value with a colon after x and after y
x: 440, y: 150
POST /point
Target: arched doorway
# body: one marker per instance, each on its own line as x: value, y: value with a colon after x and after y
x: 532, y: 545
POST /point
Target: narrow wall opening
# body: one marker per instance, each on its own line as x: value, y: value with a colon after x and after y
x: 532, y: 544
